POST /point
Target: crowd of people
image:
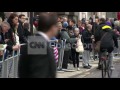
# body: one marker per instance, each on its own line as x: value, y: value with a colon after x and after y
x: 14, y: 31
x: 91, y: 33
x: 78, y: 34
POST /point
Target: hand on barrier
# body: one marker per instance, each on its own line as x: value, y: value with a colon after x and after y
x: 16, y: 47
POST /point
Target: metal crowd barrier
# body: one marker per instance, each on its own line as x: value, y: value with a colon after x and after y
x: 9, y: 64
x: 61, y: 54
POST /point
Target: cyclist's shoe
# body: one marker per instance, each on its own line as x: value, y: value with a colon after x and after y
x: 89, y: 65
x: 86, y: 67
x: 99, y: 67
x: 112, y: 68
x: 78, y: 69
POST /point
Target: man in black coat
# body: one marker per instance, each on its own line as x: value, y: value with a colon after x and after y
x: 95, y: 26
x: 87, y: 42
x: 40, y: 65
x: 20, y: 29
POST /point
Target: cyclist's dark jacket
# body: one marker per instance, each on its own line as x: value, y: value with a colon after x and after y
x: 110, y: 39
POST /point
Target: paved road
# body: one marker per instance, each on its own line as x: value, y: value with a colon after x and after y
x: 97, y: 73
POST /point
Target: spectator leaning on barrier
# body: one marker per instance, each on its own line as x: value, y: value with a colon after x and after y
x: 40, y: 65
x: 13, y: 21
x: 87, y: 42
x: 7, y: 37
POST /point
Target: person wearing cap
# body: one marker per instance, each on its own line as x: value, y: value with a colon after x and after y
x: 65, y: 36
x: 65, y: 23
x: 108, y: 22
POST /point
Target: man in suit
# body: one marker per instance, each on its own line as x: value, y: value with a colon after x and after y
x: 40, y: 65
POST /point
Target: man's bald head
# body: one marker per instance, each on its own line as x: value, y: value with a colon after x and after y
x: 76, y: 31
x: 65, y: 19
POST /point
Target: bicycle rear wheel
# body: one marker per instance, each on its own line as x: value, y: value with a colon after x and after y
x: 104, y: 69
x: 109, y: 70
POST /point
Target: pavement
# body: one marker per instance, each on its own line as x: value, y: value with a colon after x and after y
x: 97, y: 73
x: 90, y: 73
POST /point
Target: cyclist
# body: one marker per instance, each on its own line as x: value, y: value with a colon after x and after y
x: 108, y: 36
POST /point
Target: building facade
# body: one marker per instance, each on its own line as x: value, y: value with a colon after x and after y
x: 77, y: 15
x: 111, y: 14
x: 87, y: 15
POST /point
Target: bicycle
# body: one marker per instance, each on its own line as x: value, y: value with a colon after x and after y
x: 105, y: 65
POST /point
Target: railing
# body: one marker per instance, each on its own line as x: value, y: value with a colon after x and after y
x: 9, y: 66
x: 9, y: 63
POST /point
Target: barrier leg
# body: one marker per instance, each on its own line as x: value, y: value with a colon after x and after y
x: 15, y: 64
x: 62, y: 52
x: 15, y: 67
x: 59, y: 60
x: 4, y: 69
x: 4, y: 66
x: 62, y: 55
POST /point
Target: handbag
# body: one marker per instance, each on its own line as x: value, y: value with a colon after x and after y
x: 97, y: 45
x: 79, y: 48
